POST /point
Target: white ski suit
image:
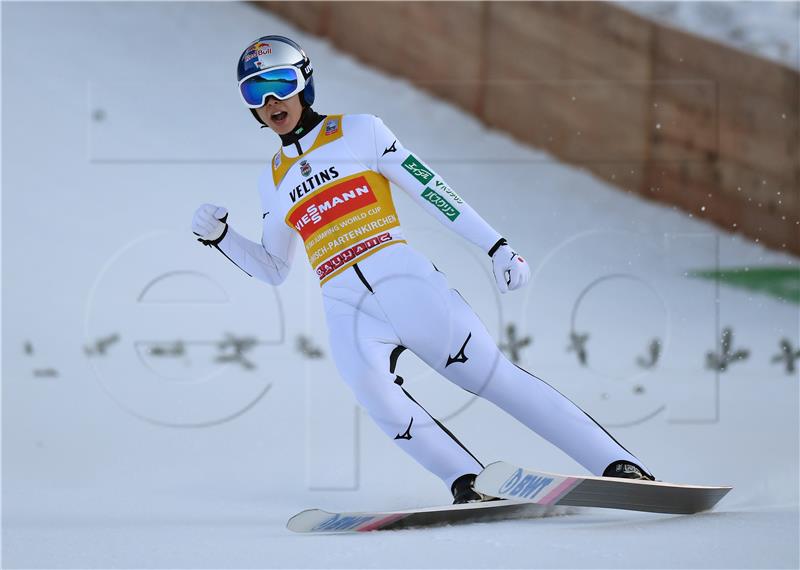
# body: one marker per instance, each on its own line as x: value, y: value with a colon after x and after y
x: 381, y: 296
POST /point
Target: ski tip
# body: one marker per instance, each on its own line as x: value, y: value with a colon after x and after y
x: 306, y: 520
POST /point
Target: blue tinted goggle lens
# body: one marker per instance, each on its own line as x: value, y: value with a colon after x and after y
x: 282, y: 83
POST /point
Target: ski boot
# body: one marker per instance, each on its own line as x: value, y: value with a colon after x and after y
x: 627, y: 470
x: 464, y: 492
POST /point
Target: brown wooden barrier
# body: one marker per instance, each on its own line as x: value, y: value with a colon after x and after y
x: 651, y: 109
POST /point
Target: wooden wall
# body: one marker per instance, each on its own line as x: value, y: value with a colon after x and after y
x: 654, y: 110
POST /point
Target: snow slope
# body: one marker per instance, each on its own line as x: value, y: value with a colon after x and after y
x: 116, y: 457
x: 768, y: 29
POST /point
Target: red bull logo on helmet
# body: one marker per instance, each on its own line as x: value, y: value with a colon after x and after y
x: 257, y: 50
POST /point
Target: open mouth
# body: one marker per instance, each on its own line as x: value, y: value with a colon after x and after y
x: 278, y: 116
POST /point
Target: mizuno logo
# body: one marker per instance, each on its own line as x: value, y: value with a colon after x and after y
x: 390, y: 149
x: 460, y: 355
x: 407, y: 433
x: 265, y: 215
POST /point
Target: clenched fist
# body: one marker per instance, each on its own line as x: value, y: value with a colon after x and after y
x: 210, y: 224
x: 510, y: 270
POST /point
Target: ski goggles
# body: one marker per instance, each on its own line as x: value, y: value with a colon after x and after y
x: 280, y: 82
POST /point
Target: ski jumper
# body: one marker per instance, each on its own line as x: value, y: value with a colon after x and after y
x: 332, y: 187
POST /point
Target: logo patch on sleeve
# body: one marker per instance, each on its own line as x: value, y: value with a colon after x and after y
x: 417, y: 169
x: 442, y: 204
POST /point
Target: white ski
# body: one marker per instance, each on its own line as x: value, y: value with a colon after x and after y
x: 508, y: 481
x: 319, y: 521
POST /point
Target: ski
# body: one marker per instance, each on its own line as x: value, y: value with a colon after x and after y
x: 319, y: 521
x: 508, y: 481
x: 528, y: 495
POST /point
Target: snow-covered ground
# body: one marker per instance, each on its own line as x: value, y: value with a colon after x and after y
x: 119, y: 119
x: 765, y: 28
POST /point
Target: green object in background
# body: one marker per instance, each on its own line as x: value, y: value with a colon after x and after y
x: 778, y: 282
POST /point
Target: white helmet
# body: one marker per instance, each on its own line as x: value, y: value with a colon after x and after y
x: 274, y: 66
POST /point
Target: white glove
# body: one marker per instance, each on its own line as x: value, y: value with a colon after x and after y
x: 510, y: 270
x: 210, y: 223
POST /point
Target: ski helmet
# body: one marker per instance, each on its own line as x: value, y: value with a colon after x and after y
x: 293, y: 74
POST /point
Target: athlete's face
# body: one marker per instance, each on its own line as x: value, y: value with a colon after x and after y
x: 281, y: 116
